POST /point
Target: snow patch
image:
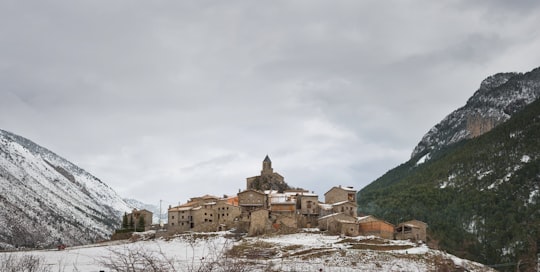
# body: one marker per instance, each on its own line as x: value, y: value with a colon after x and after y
x: 443, y: 185
x: 423, y: 159
x: 480, y: 175
x: 532, y: 196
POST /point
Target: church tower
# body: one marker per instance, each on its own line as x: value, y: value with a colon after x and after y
x: 267, y: 166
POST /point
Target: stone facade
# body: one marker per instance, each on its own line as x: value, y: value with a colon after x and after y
x: 413, y: 230
x: 252, y: 200
x: 202, y: 214
x: 347, y: 207
x: 333, y: 223
x: 370, y: 225
x: 136, y: 216
x: 259, y: 222
x: 339, y: 194
x: 307, y: 204
x: 349, y: 228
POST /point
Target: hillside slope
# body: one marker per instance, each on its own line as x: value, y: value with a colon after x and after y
x: 480, y: 197
x: 46, y: 199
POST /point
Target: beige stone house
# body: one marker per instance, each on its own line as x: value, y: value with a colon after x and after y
x: 413, y: 230
x: 371, y: 225
x: 339, y: 194
x: 282, y: 203
x: 347, y: 207
x: 206, y: 213
x: 227, y: 214
x: 251, y: 200
x: 338, y: 223
x: 137, y: 215
x: 307, y: 209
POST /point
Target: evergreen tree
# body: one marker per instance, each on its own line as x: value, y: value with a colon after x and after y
x: 141, y: 223
x: 125, y: 224
x: 131, y: 222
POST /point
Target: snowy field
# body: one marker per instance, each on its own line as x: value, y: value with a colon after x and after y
x: 222, y: 252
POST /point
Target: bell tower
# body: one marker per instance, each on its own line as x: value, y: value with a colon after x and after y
x: 267, y: 166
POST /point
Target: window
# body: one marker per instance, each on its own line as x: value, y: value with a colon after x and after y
x: 172, y: 224
x: 172, y: 217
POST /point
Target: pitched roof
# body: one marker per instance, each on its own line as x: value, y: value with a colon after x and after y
x: 344, y: 188
x: 267, y: 159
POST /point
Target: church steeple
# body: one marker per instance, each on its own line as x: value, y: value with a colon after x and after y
x: 267, y: 166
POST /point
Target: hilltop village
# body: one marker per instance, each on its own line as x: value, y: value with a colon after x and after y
x: 269, y: 205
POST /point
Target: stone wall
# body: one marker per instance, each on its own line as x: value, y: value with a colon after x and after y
x: 259, y: 222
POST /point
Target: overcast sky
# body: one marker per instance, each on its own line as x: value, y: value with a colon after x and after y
x: 173, y: 99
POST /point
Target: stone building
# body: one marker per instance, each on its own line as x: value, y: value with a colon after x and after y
x: 413, y: 230
x: 134, y: 218
x: 251, y: 200
x: 370, y: 225
x: 259, y: 222
x: 338, y: 223
x: 307, y: 209
x: 268, y: 180
x: 347, y: 207
x: 206, y: 213
x: 339, y: 194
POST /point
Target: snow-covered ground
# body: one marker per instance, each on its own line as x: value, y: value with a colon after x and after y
x: 293, y: 252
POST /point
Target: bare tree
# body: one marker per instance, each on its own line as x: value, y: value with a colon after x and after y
x: 141, y: 259
x: 22, y: 263
x: 137, y: 260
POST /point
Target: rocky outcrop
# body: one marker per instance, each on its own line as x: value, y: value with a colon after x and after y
x: 497, y: 99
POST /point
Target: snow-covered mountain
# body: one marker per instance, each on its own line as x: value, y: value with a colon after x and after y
x: 497, y: 99
x: 46, y: 199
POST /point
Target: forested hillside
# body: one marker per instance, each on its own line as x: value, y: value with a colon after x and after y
x: 479, y: 196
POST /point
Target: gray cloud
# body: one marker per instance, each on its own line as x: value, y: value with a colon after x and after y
x: 171, y: 99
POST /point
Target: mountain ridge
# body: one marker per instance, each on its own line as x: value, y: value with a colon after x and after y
x: 47, y: 199
x: 498, y: 98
